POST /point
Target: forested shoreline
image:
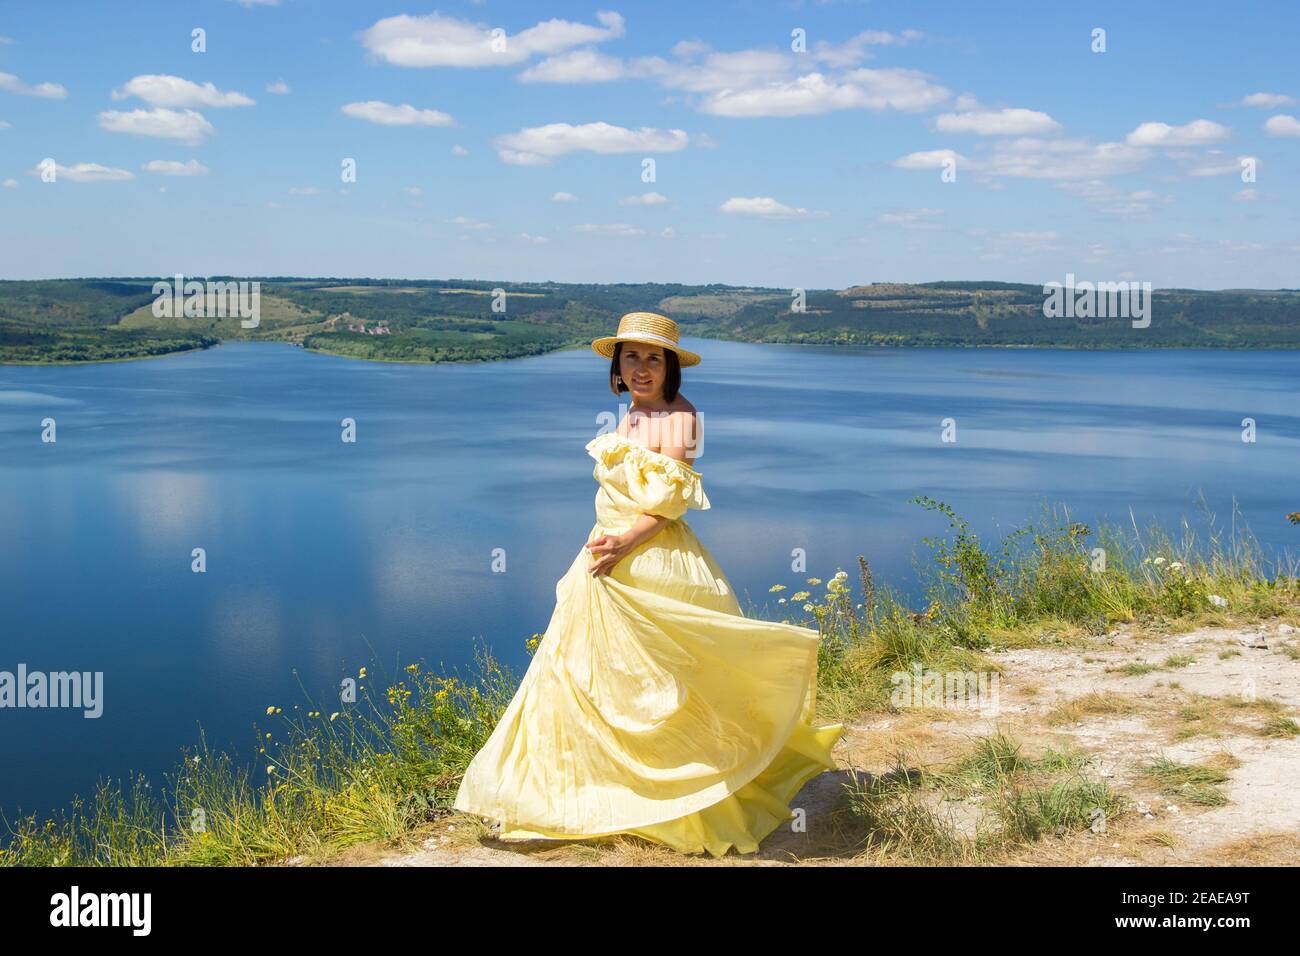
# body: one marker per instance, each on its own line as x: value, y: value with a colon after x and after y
x: 80, y: 320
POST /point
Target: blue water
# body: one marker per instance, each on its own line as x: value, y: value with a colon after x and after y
x: 319, y: 551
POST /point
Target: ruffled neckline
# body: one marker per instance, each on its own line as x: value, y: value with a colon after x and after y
x: 604, y: 445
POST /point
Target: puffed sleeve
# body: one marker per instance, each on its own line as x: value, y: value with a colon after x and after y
x: 664, y: 486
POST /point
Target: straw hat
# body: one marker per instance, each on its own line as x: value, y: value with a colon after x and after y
x: 649, y: 328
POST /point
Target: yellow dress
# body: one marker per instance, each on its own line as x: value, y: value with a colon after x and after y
x: 653, y: 706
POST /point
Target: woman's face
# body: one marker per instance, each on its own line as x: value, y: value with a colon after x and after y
x: 644, y: 369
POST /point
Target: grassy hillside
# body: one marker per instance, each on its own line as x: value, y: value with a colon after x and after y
x: 466, y: 320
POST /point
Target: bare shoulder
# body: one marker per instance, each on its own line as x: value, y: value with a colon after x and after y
x: 682, y: 434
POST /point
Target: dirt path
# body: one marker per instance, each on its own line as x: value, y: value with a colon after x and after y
x: 1216, y: 696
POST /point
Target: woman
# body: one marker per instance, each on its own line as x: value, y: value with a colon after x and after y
x: 653, y: 706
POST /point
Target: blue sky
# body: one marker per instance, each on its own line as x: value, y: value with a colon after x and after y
x: 813, y: 168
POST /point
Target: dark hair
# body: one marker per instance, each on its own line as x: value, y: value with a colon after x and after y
x: 672, y: 381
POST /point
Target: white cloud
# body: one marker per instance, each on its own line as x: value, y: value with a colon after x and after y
x: 855, y: 49
x: 437, y: 40
x: 10, y: 184
x: 468, y: 223
x: 578, y: 66
x: 1269, y: 101
x: 1246, y: 195
x: 1113, y: 201
x: 814, y: 93
x: 159, y: 89
x: 171, y: 167
x: 535, y: 240
x: 715, y: 72
x: 4, y: 125
x: 760, y: 82
x: 1215, y: 162
x: 186, y: 126
x: 698, y: 69
x: 1195, y: 133
x: 539, y: 145
x: 1282, y: 125
x: 1034, y: 158
x: 514, y: 157
x: 303, y: 191
x: 685, y: 49
x: 51, y: 91
x: 564, y: 197
x: 279, y: 88
x: 1061, y: 159
x: 764, y: 206
x: 459, y: 150
x: 385, y: 114
x: 414, y: 191
x: 87, y: 173
x: 1005, y: 122
x: 644, y: 199
x: 930, y: 159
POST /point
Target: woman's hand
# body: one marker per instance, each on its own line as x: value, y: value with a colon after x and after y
x: 608, y: 549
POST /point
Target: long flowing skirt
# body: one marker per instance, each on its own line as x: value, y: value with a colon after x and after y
x: 653, y: 707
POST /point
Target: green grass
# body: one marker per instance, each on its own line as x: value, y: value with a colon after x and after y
x: 1134, y: 669
x: 1018, y: 801
x: 1198, y: 785
x: 1279, y: 726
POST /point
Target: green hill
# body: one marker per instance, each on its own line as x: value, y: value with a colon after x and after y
x: 459, y: 320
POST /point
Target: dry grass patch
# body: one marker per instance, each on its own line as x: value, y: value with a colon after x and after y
x: 1202, y: 715
x: 1094, y: 704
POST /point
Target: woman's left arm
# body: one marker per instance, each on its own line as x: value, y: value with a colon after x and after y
x: 609, y: 549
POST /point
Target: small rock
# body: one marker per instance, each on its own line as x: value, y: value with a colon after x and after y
x: 1285, y: 629
x: 1218, y: 601
x: 1173, y: 808
x: 1253, y: 641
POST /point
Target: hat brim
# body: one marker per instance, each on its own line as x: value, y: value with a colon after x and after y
x: 605, y: 346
